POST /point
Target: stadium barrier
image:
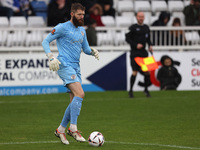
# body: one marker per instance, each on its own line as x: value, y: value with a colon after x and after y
x: 109, y: 38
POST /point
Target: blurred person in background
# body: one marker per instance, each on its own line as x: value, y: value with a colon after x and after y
x: 89, y: 5
x: 163, y: 20
x: 192, y: 13
x: 177, y: 36
x: 26, y: 8
x: 168, y: 75
x: 138, y: 37
x: 91, y: 32
x: 58, y: 12
x: 9, y: 8
x: 15, y: 8
x: 96, y: 14
x: 107, y: 6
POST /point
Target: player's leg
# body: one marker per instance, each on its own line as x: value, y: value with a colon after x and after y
x: 60, y: 131
x: 147, y: 82
x: 72, y: 79
x: 75, y: 109
x: 66, y: 117
x: 135, y: 69
x: 65, y: 73
x: 132, y: 81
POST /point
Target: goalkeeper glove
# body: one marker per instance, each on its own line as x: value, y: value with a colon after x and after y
x: 95, y: 53
x: 53, y: 62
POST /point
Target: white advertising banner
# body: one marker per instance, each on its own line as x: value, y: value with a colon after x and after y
x: 189, y: 69
x: 24, y: 74
x: 25, y: 70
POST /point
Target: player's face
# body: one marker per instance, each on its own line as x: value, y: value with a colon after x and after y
x: 78, y: 18
x: 140, y: 18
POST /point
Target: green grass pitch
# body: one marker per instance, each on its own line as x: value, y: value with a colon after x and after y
x: 169, y: 120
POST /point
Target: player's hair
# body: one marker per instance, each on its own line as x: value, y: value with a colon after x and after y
x: 76, y: 6
x: 138, y: 12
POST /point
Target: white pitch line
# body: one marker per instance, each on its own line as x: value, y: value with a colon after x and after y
x: 114, y: 142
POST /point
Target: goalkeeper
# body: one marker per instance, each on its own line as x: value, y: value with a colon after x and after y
x: 71, y: 39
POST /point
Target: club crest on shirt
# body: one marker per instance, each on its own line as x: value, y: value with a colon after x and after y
x: 73, y: 77
x: 53, y: 31
x: 137, y: 29
x: 82, y: 33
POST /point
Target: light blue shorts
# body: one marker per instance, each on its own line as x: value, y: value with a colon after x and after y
x: 69, y: 74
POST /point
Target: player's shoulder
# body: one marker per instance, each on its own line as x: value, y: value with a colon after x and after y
x: 59, y: 26
x: 146, y: 26
x: 66, y: 25
x: 132, y: 27
x: 57, y: 29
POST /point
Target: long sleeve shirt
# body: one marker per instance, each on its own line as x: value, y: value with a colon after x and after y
x: 70, y: 42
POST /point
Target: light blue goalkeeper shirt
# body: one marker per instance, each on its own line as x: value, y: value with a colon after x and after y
x: 70, y: 41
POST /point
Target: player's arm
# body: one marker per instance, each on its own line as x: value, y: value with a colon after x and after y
x: 89, y: 50
x: 55, y: 33
x: 130, y: 37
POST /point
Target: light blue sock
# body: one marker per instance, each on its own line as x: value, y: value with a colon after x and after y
x: 66, y: 117
x: 75, y: 109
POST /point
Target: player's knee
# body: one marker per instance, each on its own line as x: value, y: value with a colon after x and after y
x: 81, y: 94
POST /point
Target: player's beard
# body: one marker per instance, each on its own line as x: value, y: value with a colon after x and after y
x: 77, y: 22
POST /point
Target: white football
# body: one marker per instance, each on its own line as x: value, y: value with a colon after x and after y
x: 96, y: 139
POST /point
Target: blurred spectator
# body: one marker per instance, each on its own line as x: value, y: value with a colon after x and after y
x: 192, y: 13
x: 107, y: 6
x: 177, y: 36
x: 9, y: 7
x: 26, y: 8
x: 58, y: 12
x: 15, y: 8
x: 96, y: 15
x: 168, y: 75
x: 5, y: 11
x: 91, y: 33
x: 163, y: 19
x: 89, y: 5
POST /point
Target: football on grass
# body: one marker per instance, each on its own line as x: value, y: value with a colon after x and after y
x: 96, y: 139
